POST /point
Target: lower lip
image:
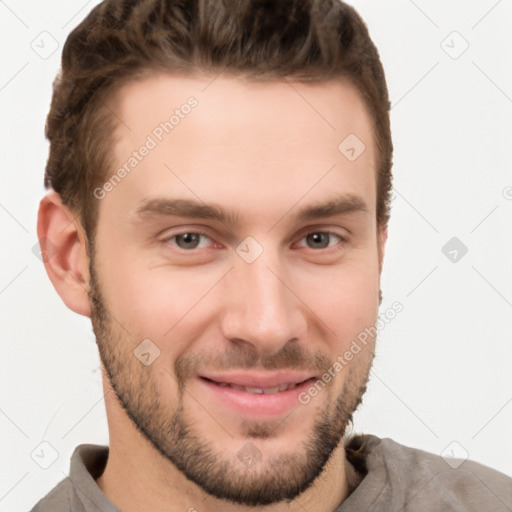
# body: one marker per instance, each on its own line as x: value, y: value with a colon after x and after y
x: 257, y: 404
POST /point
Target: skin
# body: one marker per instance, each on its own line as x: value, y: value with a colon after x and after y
x: 263, y: 151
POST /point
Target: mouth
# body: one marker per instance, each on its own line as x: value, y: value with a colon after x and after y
x: 255, y: 395
x: 258, y: 390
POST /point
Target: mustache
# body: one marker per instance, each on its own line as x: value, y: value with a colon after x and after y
x: 291, y: 357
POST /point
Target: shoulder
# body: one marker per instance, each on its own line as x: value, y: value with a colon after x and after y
x: 420, y: 480
x: 57, y: 500
x: 79, y: 489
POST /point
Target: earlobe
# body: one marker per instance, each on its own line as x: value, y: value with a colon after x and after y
x: 63, y: 248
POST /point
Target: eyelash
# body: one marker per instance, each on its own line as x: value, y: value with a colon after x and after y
x: 305, y: 235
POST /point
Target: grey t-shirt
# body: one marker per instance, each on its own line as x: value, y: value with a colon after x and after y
x: 396, y: 478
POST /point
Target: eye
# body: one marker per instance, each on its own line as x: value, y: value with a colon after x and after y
x: 188, y: 240
x: 321, y: 239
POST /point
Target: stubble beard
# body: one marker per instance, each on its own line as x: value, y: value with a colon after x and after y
x: 257, y: 480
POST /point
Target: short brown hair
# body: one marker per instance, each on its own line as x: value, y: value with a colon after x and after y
x: 121, y: 40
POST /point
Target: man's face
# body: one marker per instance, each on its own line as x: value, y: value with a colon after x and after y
x: 228, y: 316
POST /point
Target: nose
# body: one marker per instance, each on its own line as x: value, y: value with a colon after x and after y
x: 261, y: 308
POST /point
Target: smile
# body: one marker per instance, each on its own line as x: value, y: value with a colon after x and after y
x: 258, y: 391
x: 255, y: 395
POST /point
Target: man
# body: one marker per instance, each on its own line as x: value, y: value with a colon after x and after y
x: 219, y: 178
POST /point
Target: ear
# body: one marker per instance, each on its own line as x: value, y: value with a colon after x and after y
x: 62, y: 241
x: 382, y: 236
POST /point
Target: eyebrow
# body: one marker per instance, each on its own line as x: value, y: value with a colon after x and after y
x: 165, y: 207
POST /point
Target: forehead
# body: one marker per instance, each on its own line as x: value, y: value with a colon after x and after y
x: 228, y: 137
x: 333, y: 106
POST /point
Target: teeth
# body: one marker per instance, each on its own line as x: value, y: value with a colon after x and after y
x: 259, y: 391
x: 234, y: 386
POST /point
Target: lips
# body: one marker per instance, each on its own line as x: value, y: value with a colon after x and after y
x: 259, y: 383
x: 257, y: 395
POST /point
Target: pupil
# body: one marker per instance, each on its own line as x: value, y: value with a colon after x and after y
x: 189, y: 238
x: 317, y: 238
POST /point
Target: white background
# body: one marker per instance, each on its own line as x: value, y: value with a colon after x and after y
x: 442, y: 371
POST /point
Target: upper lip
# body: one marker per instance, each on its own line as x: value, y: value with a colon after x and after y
x: 259, y: 379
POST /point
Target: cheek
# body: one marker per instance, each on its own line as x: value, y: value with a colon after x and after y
x: 156, y: 303
x: 347, y: 300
